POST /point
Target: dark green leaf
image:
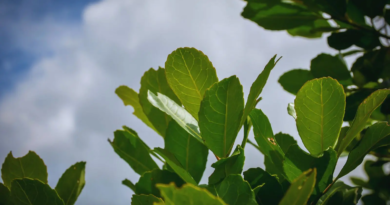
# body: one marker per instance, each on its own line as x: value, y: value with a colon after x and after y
x: 190, y: 73
x: 231, y: 165
x: 302, y: 187
x: 233, y: 190
x: 293, y: 80
x: 387, y: 16
x: 33, y: 192
x: 156, y: 81
x: 133, y: 150
x: 220, y: 115
x: 342, y: 40
x: 147, y: 182
x: 285, y: 141
x: 373, y: 199
x: 312, y: 30
x: 71, y: 183
x: 355, y: 14
x: 332, y: 7
x: 129, y: 184
x: 320, y: 108
x: 145, y: 199
x: 325, y: 65
x: 353, y: 102
x: 385, y: 108
x: 5, y: 195
x: 191, y: 154
x: 30, y: 165
x: 339, y: 192
x: 370, y: 8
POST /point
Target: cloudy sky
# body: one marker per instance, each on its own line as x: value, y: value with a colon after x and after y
x: 60, y: 62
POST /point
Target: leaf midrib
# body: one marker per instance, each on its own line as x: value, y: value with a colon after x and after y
x: 189, y: 73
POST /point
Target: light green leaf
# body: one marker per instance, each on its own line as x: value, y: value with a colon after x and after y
x: 133, y: 150
x: 30, y: 165
x: 227, y: 166
x: 320, y: 106
x: 143, y: 199
x: 130, y: 97
x: 233, y: 190
x: 156, y: 81
x: 190, y: 73
x: 175, y: 165
x: 188, y: 194
x: 5, y: 195
x: 285, y: 141
x: 302, y: 186
x: 293, y: 80
x: 33, y: 192
x: 311, y: 30
x: 129, y: 184
x: 377, y: 135
x: 178, y: 113
x: 257, y: 88
x: 191, y: 154
x: 220, y: 115
x: 325, y: 65
x: 291, y: 110
x: 362, y: 115
x: 71, y: 183
x: 339, y: 186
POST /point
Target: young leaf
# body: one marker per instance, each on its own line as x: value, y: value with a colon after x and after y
x: 5, y: 195
x: 302, y: 186
x: 291, y: 110
x: 377, y: 135
x: 129, y: 184
x: 325, y: 65
x: 30, y: 165
x: 364, y: 112
x: 156, y: 81
x: 220, y: 115
x: 33, y: 192
x: 71, y: 183
x: 178, y: 113
x: 175, y: 165
x: 191, y: 154
x: 190, y: 73
x: 339, y: 187
x: 320, y: 106
x: 188, y: 194
x: 133, y: 150
x: 227, y: 166
x: 143, y: 199
x: 147, y: 182
x: 233, y: 190
x: 130, y: 97
x: 257, y: 88
x: 293, y: 80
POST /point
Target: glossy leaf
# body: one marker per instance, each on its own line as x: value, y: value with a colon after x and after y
x: 133, y: 150
x: 190, y: 73
x: 71, y: 183
x: 191, y: 154
x: 342, y: 189
x: 30, y: 165
x: 293, y: 80
x: 33, y: 192
x: 178, y: 113
x: 175, y: 165
x: 362, y: 115
x: 320, y: 108
x: 188, y: 194
x: 376, y: 136
x: 5, y: 195
x: 147, y: 182
x: 302, y: 187
x: 325, y: 65
x: 227, y: 166
x: 156, y: 81
x: 257, y: 88
x: 143, y: 199
x: 233, y: 190
x: 130, y: 97
x: 220, y: 115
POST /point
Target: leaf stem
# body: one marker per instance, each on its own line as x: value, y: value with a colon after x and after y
x: 247, y: 128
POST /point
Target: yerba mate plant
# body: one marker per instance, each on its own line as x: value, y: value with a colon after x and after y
x: 196, y: 112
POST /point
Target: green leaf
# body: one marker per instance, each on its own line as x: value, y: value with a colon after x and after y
x: 350, y: 147
x: 293, y: 80
x: 320, y: 106
x: 188, y: 194
x: 147, y: 182
x: 297, y: 160
x: 285, y: 141
x: 302, y: 187
x: 227, y: 166
x: 145, y: 199
x: 377, y: 135
x: 271, y: 191
x: 130, y: 97
x: 370, y: 8
x: 30, y: 165
x: 355, y: 14
x: 156, y: 81
x: 340, y: 188
x: 373, y: 199
x: 372, y: 66
x: 325, y: 65
x: 353, y: 102
x: 190, y: 73
x: 191, y: 154
x: 178, y: 113
x: 363, y: 113
x: 129, y: 184
x: 133, y: 150
x: 220, y: 115
x: 233, y: 190
x: 33, y: 192
x: 332, y: 7
x: 5, y: 195
x: 257, y: 88
x: 312, y: 30
x: 291, y: 110
x: 363, y: 39
x: 71, y: 183
x: 175, y: 165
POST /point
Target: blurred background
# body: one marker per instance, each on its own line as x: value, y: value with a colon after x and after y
x: 61, y: 60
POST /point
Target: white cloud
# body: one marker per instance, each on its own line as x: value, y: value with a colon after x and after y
x: 65, y: 108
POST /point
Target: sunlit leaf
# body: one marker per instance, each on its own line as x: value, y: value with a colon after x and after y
x: 302, y: 187
x: 143, y: 199
x: 71, y: 183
